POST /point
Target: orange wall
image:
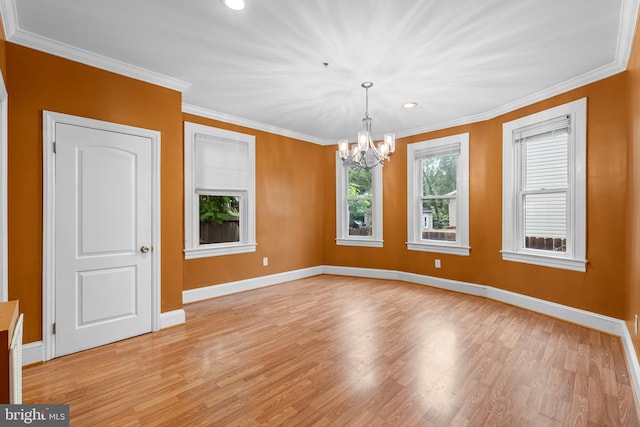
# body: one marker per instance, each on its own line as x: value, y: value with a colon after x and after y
x: 289, y: 212
x: 37, y: 81
x: 633, y: 192
x: 601, y: 289
x: 295, y: 193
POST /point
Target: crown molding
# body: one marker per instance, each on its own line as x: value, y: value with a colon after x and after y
x: 628, y: 20
x: 228, y: 118
x: 9, y: 17
x: 574, y: 83
x: 25, y: 38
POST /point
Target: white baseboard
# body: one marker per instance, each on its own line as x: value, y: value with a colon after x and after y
x: 632, y: 360
x: 172, y: 318
x: 602, y: 323
x: 588, y: 319
x: 199, y: 294
x: 32, y: 353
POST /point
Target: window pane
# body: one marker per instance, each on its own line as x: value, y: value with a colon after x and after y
x: 546, y: 158
x: 359, y: 182
x: 439, y: 175
x: 545, y: 217
x: 219, y: 219
x: 360, y: 217
x: 439, y: 219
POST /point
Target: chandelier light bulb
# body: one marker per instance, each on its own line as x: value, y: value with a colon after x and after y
x: 343, y: 146
x: 364, y: 153
x: 234, y: 4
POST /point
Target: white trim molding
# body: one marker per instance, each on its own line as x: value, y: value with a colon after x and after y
x: 172, y: 318
x: 513, y: 186
x: 228, y: 118
x: 457, y: 145
x: 34, y: 352
x: 245, y: 192
x: 584, y: 318
x: 199, y: 294
x: 4, y: 144
x: 342, y: 207
x: 628, y: 17
x: 43, y: 44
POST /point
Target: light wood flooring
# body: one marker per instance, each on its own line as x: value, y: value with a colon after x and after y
x: 341, y: 351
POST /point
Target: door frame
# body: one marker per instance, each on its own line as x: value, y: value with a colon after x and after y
x: 4, y: 142
x: 49, y: 121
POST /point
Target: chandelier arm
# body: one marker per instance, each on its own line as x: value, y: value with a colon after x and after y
x: 366, y: 152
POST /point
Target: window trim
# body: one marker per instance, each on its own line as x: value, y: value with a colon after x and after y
x: 414, y: 191
x: 342, y: 213
x: 575, y: 257
x: 247, y: 243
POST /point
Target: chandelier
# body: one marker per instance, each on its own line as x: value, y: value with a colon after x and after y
x: 364, y: 153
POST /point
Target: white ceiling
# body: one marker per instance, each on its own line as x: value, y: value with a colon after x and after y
x: 459, y: 60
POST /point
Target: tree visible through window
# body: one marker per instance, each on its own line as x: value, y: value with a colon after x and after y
x: 219, y: 219
x: 439, y: 193
x: 360, y: 202
x: 219, y: 192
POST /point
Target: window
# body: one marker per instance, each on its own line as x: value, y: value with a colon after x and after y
x: 544, y: 188
x: 219, y: 206
x: 358, y: 205
x: 438, y: 195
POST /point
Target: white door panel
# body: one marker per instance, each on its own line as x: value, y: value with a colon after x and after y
x: 102, y: 219
x: 106, y: 208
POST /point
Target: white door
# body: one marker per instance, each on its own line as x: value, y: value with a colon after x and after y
x: 103, y: 235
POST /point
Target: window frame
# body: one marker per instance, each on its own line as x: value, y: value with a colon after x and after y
x: 193, y: 249
x: 414, y: 197
x: 342, y: 208
x: 513, y: 247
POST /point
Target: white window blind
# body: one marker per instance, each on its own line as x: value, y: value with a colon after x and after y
x: 437, y: 151
x: 545, y: 177
x: 219, y: 167
x: 221, y: 164
x: 551, y: 125
x: 547, y: 160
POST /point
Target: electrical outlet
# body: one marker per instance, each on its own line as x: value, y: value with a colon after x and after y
x: 636, y: 325
x: 438, y: 265
x: 265, y: 261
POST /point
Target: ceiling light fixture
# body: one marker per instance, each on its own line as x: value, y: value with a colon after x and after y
x: 409, y: 105
x: 364, y: 153
x: 234, y: 4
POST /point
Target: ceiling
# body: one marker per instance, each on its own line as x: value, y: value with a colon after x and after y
x: 461, y: 61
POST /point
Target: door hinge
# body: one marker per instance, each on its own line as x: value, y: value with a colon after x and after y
x: 55, y: 147
x: 54, y: 328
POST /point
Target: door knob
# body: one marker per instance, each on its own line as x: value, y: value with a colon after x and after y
x: 144, y: 249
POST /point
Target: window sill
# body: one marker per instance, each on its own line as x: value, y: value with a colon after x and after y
x: 546, y: 261
x: 439, y: 248
x: 223, y: 249
x: 372, y: 243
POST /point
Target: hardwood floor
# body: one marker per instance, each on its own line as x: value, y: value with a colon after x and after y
x: 338, y: 351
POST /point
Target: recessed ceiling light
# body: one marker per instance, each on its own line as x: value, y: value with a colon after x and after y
x: 234, y: 4
x: 409, y: 105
